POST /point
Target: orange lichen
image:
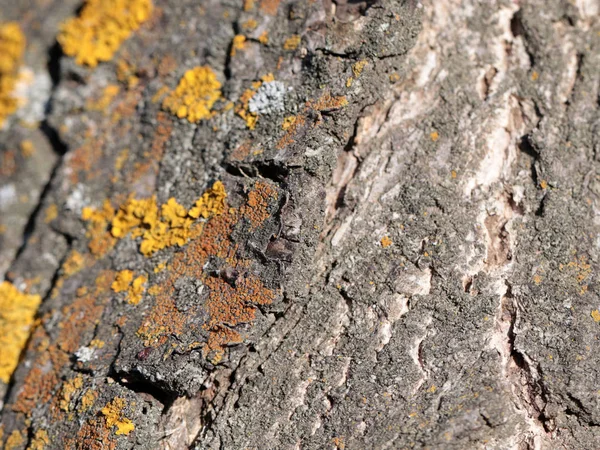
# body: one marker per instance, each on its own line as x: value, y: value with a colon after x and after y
x: 113, y: 414
x: 92, y: 435
x: 290, y: 124
x: 238, y: 43
x: 17, y: 312
x: 227, y: 305
x: 292, y: 42
x: 39, y: 441
x: 242, y: 151
x: 386, y: 241
x: 248, y: 5
x: 79, y: 317
x: 12, y: 46
x: 164, y: 318
x: 40, y: 381
x: 167, y: 65
x: 8, y: 163
x: 256, y: 209
x: 195, y: 95
x: 101, y: 28
x: 582, y: 271
x: 269, y: 6
x: 328, y: 103
x: 82, y: 161
x: 339, y: 442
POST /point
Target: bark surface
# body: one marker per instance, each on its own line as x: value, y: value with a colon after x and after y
x: 406, y: 256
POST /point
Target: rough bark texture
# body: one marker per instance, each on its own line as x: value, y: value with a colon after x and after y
x: 410, y: 261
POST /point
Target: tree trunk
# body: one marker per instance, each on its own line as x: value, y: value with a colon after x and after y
x: 364, y: 225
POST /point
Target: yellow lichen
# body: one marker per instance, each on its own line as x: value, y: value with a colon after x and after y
x: 358, y: 67
x: 27, y: 148
x: 160, y: 267
x: 39, y: 441
x: 264, y: 38
x: 113, y: 413
x: 136, y: 291
x: 12, y: 46
x: 14, y: 441
x: 195, y: 95
x: 212, y: 202
x: 386, y: 242
x: 73, y: 263
x: 171, y: 226
x: 288, y: 122
x: 135, y: 288
x: 292, y: 42
x: 100, y: 239
x: 69, y: 387
x: 102, y: 103
x: 17, y: 312
x: 121, y: 159
x: 249, y: 24
x: 97, y: 343
x: 51, y: 213
x: 101, y: 28
x: 122, y: 281
x: 239, y: 43
x: 87, y: 400
x: 595, y: 315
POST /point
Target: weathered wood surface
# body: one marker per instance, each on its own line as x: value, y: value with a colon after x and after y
x: 406, y: 256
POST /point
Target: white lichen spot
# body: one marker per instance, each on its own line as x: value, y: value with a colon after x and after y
x: 85, y: 354
x: 269, y: 99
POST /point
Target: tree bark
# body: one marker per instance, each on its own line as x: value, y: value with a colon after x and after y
x: 406, y: 255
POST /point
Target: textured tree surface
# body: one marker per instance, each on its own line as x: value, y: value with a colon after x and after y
x: 379, y: 231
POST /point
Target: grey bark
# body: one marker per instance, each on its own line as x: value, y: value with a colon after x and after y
x: 470, y: 141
